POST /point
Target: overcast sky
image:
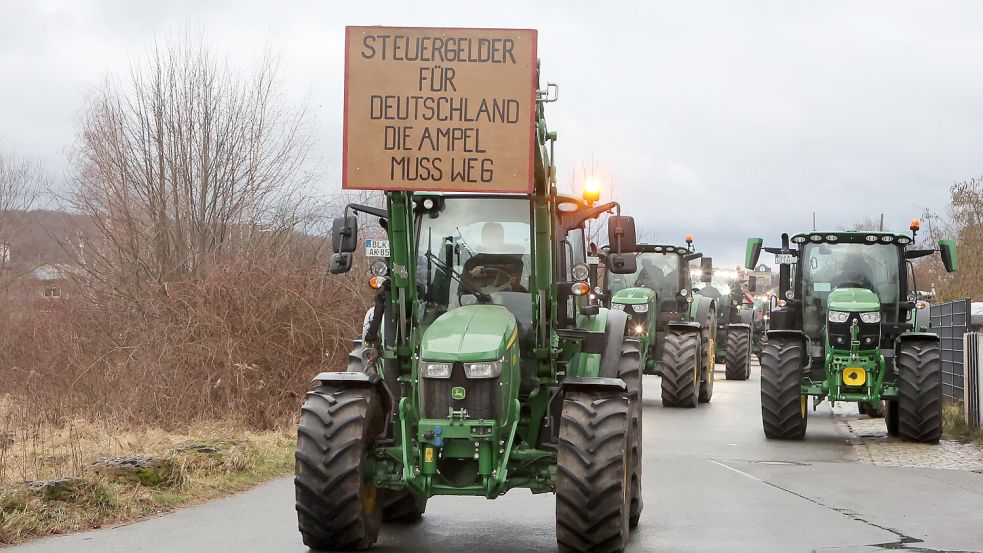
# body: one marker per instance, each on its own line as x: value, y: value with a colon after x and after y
x: 721, y: 119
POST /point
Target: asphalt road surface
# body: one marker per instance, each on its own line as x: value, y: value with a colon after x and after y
x: 711, y: 483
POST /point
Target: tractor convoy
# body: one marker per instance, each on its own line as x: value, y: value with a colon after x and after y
x: 497, y: 355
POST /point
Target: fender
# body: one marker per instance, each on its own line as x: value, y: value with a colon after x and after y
x: 806, y: 343
x: 746, y: 326
x: 685, y: 326
x: 594, y: 385
x: 615, y: 330
x: 361, y: 380
x: 702, y: 307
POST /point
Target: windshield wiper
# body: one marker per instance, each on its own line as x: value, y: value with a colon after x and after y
x: 483, y: 297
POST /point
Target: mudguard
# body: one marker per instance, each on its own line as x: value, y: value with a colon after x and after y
x: 915, y: 336
x: 615, y: 329
x: 685, y: 326
x: 580, y: 383
x: 349, y: 379
x: 703, y: 305
x: 746, y: 326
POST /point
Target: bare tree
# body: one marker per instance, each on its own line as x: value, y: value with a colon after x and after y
x: 21, y: 183
x: 184, y: 161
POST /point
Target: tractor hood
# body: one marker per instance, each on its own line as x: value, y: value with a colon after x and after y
x: 632, y: 296
x: 853, y: 300
x: 469, y: 333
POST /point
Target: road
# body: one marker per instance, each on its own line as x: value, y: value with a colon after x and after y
x: 711, y: 483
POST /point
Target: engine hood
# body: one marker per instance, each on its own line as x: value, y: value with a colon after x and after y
x: 853, y: 300
x: 632, y: 296
x: 469, y: 333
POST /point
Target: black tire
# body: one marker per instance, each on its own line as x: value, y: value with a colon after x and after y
x: 920, y: 399
x: 680, y: 368
x: 708, y: 353
x: 890, y: 407
x: 403, y: 507
x: 784, y: 410
x: 336, y: 508
x: 738, y: 354
x: 630, y: 371
x: 592, y: 485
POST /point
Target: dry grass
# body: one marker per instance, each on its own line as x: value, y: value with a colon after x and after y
x: 226, y: 459
x: 956, y: 427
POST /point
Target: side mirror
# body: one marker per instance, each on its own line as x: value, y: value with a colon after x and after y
x: 706, y: 270
x: 622, y: 263
x: 344, y: 235
x: 621, y: 234
x: 947, y: 249
x: 752, y: 253
x: 752, y: 284
x: 341, y: 263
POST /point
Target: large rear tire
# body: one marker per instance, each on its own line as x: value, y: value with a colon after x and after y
x: 920, y: 399
x: 708, y: 342
x: 680, y: 368
x: 738, y: 354
x: 337, y: 509
x: 592, y: 487
x: 784, y: 410
x: 630, y: 371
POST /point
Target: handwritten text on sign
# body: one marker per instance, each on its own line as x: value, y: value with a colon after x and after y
x: 439, y: 109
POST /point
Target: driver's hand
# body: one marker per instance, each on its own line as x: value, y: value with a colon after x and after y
x: 478, y: 271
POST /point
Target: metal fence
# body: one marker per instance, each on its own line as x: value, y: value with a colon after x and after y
x: 973, y: 400
x: 950, y: 320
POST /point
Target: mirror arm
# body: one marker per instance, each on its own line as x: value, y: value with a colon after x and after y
x: 577, y: 218
x: 692, y: 256
x: 378, y: 212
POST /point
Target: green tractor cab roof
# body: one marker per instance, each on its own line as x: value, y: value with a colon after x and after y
x: 852, y: 237
x: 657, y: 248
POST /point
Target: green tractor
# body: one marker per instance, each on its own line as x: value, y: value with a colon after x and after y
x: 845, y: 327
x: 485, y: 366
x: 677, y: 328
x: 735, y: 323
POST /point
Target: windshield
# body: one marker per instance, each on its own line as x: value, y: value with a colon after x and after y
x: 656, y: 271
x: 826, y: 267
x: 475, y: 245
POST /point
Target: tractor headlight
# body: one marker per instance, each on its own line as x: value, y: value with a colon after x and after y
x: 618, y: 306
x: 483, y: 369
x: 639, y: 329
x: 580, y: 271
x: 838, y: 316
x: 436, y: 370
x: 872, y: 317
x: 640, y: 308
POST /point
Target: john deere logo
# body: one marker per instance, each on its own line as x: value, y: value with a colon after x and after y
x: 458, y: 393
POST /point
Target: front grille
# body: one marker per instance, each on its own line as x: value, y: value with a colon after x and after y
x: 482, y: 396
x: 839, y: 333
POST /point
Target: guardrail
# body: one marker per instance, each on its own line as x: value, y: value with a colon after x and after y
x: 973, y: 367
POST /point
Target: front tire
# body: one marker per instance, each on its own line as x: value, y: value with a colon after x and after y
x: 890, y: 407
x: 592, y: 484
x: 920, y: 399
x: 630, y: 371
x: 680, y: 368
x: 784, y: 410
x: 738, y: 354
x: 708, y: 341
x: 403, y: 507
x: 337, y: 508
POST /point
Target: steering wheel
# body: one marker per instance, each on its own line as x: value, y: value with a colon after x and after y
x: 502, y: 279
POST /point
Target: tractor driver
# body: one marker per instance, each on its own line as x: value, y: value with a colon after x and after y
x: 856, y: 273
x: 650, y: 276
x: 495, y: 266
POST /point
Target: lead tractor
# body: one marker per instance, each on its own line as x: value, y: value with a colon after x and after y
x: 485, y: 366
x: 677, y: 328
x: 845, y: 327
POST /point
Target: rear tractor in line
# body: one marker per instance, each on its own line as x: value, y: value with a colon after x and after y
x: 846, y: 328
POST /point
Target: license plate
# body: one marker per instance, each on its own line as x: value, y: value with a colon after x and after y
x: 377, y: 248
x: 784, y: 259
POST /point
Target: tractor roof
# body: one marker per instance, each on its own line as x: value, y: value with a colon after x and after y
x: 852, y: 237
